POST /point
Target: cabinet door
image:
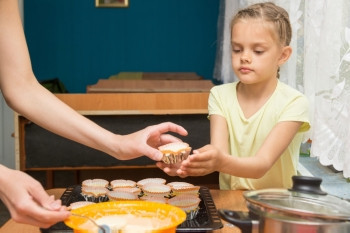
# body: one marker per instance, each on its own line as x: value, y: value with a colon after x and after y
x: 7, y: 148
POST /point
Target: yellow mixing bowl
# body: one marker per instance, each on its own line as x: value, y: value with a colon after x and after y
x: 152, y: 217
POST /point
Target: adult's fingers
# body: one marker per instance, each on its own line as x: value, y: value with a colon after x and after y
x: 45, y: 209
x: 167, y: 138
x: 152, y: 153
x: 169, y: 126
x: 160, y: 165
x: 33, y: 214
x: 167, y: 169
x: 40, y: 196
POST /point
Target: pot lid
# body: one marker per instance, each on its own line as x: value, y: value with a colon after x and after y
x: 305, y: 199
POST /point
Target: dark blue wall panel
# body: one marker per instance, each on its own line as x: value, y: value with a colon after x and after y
x: 79, y: 43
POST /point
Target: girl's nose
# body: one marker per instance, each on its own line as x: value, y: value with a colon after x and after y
x: 246, y: 58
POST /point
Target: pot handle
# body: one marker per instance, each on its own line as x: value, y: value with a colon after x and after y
x: 240, y: 219
x: 307, y: 184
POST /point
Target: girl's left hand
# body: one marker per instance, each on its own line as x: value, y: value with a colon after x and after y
x: 203, y: 161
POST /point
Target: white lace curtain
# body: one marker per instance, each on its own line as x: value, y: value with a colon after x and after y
x: 319, y: 67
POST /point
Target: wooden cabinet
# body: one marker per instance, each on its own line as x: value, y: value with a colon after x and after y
x: 122, y: 113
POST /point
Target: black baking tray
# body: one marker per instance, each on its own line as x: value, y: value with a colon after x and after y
x: 207, y: 218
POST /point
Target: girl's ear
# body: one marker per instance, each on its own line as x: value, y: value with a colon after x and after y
x: 286, y: 52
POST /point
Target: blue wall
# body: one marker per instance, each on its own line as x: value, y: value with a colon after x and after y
x: 79, y: 44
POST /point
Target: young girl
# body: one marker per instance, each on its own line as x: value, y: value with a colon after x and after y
x: 257, y: 123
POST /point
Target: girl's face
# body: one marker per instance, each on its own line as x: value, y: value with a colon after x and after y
x: 256, y: 52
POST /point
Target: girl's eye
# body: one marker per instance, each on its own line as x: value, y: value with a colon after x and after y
x: 236, y: 50
x: 259, y: 51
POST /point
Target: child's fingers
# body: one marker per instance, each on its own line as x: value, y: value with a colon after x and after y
x: 192, y: 172
x: 200, y: 157
x: 195, y: 164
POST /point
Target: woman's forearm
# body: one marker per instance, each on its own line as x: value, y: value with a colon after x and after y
x: 43, y: 108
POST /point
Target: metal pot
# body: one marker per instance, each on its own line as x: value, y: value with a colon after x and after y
x: 304, y: 208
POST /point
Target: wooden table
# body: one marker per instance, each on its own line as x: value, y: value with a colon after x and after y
x: 223, y: 199
x: 149, y: 86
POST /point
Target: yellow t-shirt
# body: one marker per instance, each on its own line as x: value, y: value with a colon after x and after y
x: 247, y: 135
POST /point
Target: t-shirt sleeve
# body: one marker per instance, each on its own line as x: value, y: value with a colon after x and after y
x: 297, y: 110
x: 214, y: 106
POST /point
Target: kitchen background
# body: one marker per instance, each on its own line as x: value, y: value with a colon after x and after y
x: 79, y: 44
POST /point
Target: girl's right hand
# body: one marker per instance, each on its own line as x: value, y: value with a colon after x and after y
x: 202, y: 162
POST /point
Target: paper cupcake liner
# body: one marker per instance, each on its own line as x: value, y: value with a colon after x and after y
x: 175, y: 152
x: 188, y: 203
x: 150, y: 180
x: 95, y: 183
x: 185, y: 190
x: 134, y: 190
x: 94, y: 194
x: 154, y: 199
x: 172, y: 158
x: 176, y: 184
x: 158, y: 190
x: 121, y: 195
x: 120, y: 183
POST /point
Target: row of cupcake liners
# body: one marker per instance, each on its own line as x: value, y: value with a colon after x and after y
x: 122, y: 183
x: 206, y: 217
x: 181, y: 194
x: 188, y: 202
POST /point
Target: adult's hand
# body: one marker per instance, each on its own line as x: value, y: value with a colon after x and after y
x: 171, y: 169
x: 27, y: 201
x: 146, y: 141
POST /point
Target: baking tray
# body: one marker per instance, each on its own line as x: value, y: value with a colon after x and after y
x: 207, y: 218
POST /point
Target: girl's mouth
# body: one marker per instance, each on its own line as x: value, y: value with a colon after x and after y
x: 245, y: 70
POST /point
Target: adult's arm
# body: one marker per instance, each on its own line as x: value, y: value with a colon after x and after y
x: 25, y: 95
